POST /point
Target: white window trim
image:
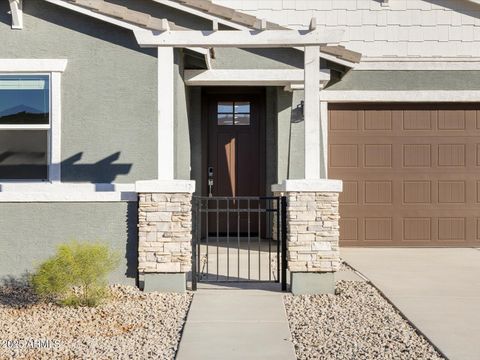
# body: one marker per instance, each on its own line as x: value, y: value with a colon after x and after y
x: 53, y: 68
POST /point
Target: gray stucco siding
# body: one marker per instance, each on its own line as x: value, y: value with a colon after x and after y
x: 109, y: 91
x: 290, y: 135
x: 272, y: 58
x: 408, y: 80
x: 32, y: 231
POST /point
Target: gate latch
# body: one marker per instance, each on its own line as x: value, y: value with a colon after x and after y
x: 210, y: 181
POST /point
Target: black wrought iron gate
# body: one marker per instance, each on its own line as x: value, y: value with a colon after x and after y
x: 239, y: 239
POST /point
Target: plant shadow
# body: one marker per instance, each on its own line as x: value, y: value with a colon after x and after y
x: 16, y: 292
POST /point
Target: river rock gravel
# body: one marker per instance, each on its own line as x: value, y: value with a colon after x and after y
x: 357, y: 323
x: 129, y: 325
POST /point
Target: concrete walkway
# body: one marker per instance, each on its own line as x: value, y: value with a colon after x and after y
x: 437, y: 289
x: 227, y: 323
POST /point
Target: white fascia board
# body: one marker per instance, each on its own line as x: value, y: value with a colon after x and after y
x: 33, y: 65
x: 108, y: 19
x: 419, y: 65
x: 309, y: 185
x: 165, y: 186
x: 238, y: 38
x: 400, y: 96
x: 57, y: 192
x: 248, y: 77
x: 16, y: 9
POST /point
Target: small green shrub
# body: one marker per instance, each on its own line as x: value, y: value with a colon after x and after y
x: 76, y: 274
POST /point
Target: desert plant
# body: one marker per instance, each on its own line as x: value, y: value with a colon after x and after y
x: 76, y: 274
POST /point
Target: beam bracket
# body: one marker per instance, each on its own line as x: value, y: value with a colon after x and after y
x: 16, y: 10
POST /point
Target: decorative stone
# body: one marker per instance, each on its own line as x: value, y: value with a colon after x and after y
x: 165, y: 232
x: 312, y: 231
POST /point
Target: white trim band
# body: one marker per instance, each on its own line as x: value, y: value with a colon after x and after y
x: 33, y: 65
x: 165, y: 186
x: 54, y: 192
x: 400, y: 96
x: 249, y: 77
x: 309, y: 185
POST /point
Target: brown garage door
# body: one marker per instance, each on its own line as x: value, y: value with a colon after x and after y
x: 411, y: 173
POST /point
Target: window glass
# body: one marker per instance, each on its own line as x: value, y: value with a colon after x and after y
x: 24, y: 100
x: 225, y: 119
x: 242, y: 119
x: 225, y: 107
x: 233, y: 113
x: 242, y: 108
x: 23, y: 154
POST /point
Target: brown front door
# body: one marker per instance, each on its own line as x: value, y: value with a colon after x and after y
x: 235, y: 148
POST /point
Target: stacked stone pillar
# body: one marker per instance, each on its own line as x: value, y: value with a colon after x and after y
x: 312, y: 233
x: 164, y: 235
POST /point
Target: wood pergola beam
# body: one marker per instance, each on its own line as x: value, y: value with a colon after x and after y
x: 238, y: 38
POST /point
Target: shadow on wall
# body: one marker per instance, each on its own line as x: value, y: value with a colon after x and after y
x: 297, y: 114
x: 131, y: 247
x: 103, y: 171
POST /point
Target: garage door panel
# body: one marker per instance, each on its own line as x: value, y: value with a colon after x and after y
x: 417, y: 192
x: 377, y: 155
x: 378, y: 120
x: 418, y: 120
x: 417, y: 155
x: 410, y: 173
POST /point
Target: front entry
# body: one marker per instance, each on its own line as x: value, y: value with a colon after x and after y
x: 236, y: 154
x: 238, y: 233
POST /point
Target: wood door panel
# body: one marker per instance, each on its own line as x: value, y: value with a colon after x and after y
x: 236, y: 153
x: 410, y: 173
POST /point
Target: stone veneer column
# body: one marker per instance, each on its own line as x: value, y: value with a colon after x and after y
x: 312, y: 233
x: 164, y: 234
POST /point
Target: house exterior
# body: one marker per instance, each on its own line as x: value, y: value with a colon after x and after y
x: 114, y: 113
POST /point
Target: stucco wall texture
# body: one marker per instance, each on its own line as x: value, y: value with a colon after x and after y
x: 30, y: 233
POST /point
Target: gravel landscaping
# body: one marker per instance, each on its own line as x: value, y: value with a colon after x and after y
x: 129, y: 325
x: 357, y: 323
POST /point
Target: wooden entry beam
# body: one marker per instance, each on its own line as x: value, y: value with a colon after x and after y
x: 238, y: 38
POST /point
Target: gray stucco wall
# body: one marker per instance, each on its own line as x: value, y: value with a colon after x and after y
x: 233, y: 58
x: 109, y: 91
x: 408, y: 80
x: 182, y: 138
x: 290, y: 135
x: 195, y: 131
x: 30, y: 233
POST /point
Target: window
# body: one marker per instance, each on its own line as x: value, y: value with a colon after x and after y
x: 233, y: 113
x: 24, y: 127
